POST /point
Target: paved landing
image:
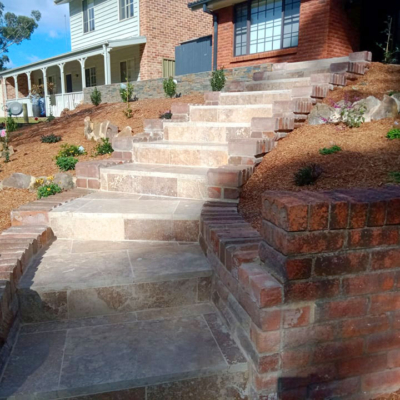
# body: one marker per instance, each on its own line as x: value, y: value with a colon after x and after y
x: 57, y: 360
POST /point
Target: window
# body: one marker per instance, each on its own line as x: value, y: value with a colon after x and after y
x: 127, y: 69
x: 88, y: 15
x: 125, y: 9
x: 266, y: 25
x: 90, y: 74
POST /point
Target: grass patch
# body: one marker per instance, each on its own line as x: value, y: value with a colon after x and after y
x: 329, y: 150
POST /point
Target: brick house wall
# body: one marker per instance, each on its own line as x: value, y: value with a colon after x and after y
x: 166, y: 25
x: 325, y: 31
x: 315, y: 300
x: 23, y: 90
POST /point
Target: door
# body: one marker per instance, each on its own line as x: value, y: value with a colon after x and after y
x: 69, y: 83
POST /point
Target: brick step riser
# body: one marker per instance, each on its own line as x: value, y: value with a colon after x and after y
x: 205, y: 134
x: 182, y: 157
x: 41, y: 305
x: 253, y: 98
x: 241, y: 115
x: 154, y: 185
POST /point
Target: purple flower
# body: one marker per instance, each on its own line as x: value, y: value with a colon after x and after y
x: 324, y: 119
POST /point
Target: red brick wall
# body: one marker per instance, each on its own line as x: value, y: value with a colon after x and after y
x: 325, y: 31
x: 22, y: 87
x: 166, y: 25
x: 319, y: 316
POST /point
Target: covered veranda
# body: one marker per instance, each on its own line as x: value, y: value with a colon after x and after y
x: 68, y: 74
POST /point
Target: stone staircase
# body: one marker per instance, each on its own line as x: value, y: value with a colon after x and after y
x: 120, y: 306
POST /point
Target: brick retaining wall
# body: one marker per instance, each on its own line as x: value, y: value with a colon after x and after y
x: 187, y: 84
x: 317, y: 307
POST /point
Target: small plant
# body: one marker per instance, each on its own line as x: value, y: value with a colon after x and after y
x: 307, y: 175
x: 218, y: 80
x: 393, y: 134
x: 395, y: 176
x: 389, y: 52
x: 169, y: 86
x: 47, y: 190
x: 95, y: 97
x: 329, y: 150
x: 52, y: 138
x: 12, y: 124
x: 51, y: 117
x: 166, y: 115
x: 70, y: 150
x: 104, y: 147
x: 126, y: 92
x: 66, y: 163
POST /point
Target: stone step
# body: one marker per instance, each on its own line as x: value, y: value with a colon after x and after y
x: 276, y: 84
x: 79, y: 279
x: 141, y: 355
x: 199, y: 132
x: 120, y: 216
x: 181, y: 153
x: 236, y: 114
x: 157, y: 180
x: 310, y: 64
x: 245, y: 98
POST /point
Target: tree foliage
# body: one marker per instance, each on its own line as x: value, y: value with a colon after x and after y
x: 14, y: 29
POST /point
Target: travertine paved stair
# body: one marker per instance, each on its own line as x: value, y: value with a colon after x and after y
x: 120, y: 305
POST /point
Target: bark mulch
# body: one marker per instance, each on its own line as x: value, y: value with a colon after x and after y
x: 366, y: 159
x: 35, y: 158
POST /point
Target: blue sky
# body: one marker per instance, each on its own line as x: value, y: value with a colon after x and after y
x: 50, y: 39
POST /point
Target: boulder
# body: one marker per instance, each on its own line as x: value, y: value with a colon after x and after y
x: 108, y: 130
x: 387, y: 109
x: 88, y: 129
x: 127, y: 131
x: 19, y: 181
x: 64, y: 180
x: 396, y: 97
x: 10, y: 151
x: 371, y: 104
x: 321, y: 114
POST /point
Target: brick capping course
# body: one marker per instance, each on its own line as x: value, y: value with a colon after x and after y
x: 314, y: 305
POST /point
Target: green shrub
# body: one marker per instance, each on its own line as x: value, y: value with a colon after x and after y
x: 48, y: 190
x: 218, y: 80
x: 70, y: 150
x: 12, y: 124
x: 126, y: 91
x: 166, y: 115
x: 393, y: 134
x: 66, y: 163
x: 329, y: 150
x: 51, y: 117
x: 169, y: 87
x: 52, y: 138
x: 104, y: 147
x: 307, y: 175
x: 395, y: 176
x: 95, y: 97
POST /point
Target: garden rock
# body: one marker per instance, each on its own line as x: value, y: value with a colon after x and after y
x: 396, y: 97
x: 3, y: 152
x: 64, y: 180
x: 108, y: 130
x: 320, y: 114
x: 371, y: 104
x: 127, y: 131
x: 19, y: 181
x: 88, y: 129
x: 387, y: 109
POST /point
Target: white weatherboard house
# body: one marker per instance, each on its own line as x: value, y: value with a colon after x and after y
x: 111, y: 41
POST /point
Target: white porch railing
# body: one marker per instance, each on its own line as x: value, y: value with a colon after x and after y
x: 71, y: 101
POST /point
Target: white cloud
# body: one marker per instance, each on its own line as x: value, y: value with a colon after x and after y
x: 53, y: 17
x: 32, y: 59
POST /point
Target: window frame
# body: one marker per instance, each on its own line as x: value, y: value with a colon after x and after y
x: 90, y: 76
x: 248, y: 29
x: 126, y: 6
x: 88, y: 17
x: 126, y: 61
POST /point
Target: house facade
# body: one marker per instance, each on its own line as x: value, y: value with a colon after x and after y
x: 111, y: 41
x: 261, y: 31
